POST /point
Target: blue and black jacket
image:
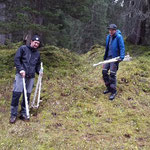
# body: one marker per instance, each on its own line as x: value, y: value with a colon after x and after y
x: 27, y: 59
x: 118, y: 48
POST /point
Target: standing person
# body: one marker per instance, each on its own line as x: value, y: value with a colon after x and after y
x: 114, y: 48
x: 27, y: 62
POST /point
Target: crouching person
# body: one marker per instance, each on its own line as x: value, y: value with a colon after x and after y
x: 27, y: 62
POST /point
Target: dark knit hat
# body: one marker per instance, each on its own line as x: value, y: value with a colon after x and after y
x: 112, y: 26
x: 36, y: 38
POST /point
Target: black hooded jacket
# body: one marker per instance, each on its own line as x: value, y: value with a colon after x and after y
x: 27, y: 59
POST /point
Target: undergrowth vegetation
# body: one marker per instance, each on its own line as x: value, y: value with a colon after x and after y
x: 74, y: 114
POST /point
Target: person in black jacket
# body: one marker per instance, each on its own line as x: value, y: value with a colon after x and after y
x: 27, y: 62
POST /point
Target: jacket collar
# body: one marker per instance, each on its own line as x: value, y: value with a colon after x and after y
x: 113, y: 36
x: 32, y: 49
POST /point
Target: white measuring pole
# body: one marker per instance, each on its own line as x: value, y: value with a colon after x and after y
x: 37, y: 90
x: 126, y: 58
x: 40, y: 84
x: 35, y: 93
x: 26, y: 99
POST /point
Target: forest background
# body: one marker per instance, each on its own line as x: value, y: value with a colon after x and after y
x: 74, y: 24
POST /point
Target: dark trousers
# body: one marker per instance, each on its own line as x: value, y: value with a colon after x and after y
x: 110, y: 77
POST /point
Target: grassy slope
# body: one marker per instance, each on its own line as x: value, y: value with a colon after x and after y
x: 74, y: 113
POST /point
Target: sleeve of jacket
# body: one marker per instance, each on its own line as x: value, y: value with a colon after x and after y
x: 17, y: 59
x: 121, y: 47
x: 38, y: 67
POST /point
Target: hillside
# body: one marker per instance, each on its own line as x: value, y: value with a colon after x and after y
x: 74, y: 114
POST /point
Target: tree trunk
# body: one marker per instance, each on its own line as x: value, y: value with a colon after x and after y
x: 2, y: 18
x: 137, y: 24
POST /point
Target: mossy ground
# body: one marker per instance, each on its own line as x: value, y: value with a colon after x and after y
x: 74, y: 114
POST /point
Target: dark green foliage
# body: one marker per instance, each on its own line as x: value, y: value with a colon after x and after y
x: 61, y: 60
x: 72, y: 24
x: 6, y: 64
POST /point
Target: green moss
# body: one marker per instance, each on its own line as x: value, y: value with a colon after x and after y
x: 74, y: 114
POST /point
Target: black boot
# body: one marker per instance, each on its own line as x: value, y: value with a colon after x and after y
x: 112, y: 96
x: 13, y: 119
x: 106, y: 91
x: 23, y: 117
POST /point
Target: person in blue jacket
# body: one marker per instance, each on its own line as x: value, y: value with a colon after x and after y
x: 114, y: 48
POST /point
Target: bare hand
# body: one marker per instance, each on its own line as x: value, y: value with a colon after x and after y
x: 23, y: 74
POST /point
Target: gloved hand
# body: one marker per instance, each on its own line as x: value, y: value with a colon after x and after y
x: 119, y: 60
x: 23, y: 73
